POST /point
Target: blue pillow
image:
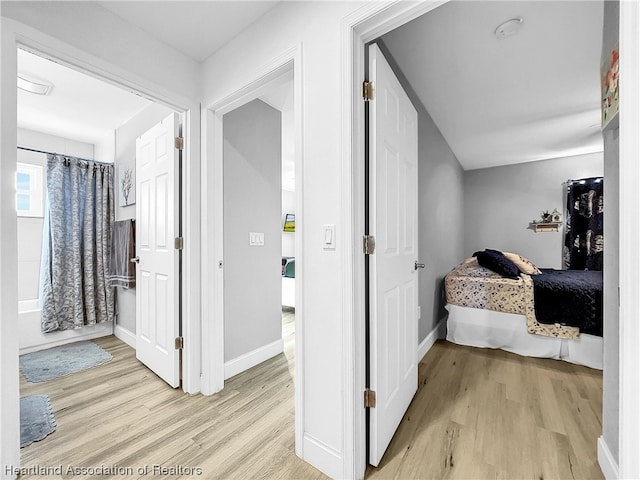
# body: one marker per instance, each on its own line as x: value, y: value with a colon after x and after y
x: 496, y: 261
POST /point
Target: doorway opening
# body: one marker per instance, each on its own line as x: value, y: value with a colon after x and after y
x: 259, y: 226
x: 446, y: 181
x: 273, y: 95
x: 83, y: 119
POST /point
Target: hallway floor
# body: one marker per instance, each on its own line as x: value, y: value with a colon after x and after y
x: 120, y: 413
x: 478, y: 414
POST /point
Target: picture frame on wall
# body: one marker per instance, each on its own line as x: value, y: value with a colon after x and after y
x: 610, y: 86
x: 126, y: 183
x: 289, y: 222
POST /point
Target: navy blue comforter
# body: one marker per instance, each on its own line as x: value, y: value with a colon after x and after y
x: 570, y: 297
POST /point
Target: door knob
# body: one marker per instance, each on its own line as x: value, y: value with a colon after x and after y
x: 418, y: 265
x: 135, y: 260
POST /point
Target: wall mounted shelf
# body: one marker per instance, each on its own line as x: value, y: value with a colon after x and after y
x: 545, y: 226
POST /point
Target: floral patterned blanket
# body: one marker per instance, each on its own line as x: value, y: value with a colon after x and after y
x: 471, y: 285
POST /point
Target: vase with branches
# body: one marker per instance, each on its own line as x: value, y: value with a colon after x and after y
x: 126, y: 184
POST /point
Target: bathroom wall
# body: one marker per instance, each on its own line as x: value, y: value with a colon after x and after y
x: 30, y: 247
x: 125, y: 147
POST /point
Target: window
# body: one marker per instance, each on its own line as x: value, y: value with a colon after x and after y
x: 29, y: 190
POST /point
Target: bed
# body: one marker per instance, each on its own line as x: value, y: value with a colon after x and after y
x: 553, y: 314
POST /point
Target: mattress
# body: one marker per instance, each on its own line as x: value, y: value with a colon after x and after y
x: 508, y: 331
x: 471, y: 285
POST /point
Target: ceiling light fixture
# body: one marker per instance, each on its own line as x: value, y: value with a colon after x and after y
x: 34, y: 87
x: 508, y: 28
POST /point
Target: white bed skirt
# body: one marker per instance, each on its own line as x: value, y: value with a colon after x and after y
x: 477, y: 327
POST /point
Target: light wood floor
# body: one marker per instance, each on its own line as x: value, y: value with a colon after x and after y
x: 477, y: 414
x: 121, y: 414
x: 482, y: 413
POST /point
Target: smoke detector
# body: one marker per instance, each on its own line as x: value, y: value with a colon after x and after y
x: 508, y: 28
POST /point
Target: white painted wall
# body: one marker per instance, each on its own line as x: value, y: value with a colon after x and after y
x: 9, y: 381
x: 252, y: 203
x: 500, y: 202
x: 125, y: 151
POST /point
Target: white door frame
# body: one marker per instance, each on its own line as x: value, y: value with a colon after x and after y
x: 629, y: 326
x: 213, y: 225
x: 14, y: 35
x: 367, y: 24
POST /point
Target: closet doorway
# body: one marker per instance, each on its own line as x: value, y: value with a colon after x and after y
x: 270, y: 102
x: 259, y: 226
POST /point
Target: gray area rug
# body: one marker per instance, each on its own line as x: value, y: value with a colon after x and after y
x: 59, y: 361
x: 36, y: 419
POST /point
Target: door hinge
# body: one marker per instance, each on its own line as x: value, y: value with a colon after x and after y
x: 179, y: 243
x: 368, y: 91
x: 369, y: 398
x: 369, y: 244
x: 179, y: 343
x: 179, y: 143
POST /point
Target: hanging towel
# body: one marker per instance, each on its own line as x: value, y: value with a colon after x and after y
x: 122, y: 272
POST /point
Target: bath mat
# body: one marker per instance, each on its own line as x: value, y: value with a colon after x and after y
x: 59, y: 361
x: 36, y: 419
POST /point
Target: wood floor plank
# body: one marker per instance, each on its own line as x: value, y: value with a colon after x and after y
x: 477, y: 414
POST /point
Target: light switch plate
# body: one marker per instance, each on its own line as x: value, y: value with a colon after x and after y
x: 329, y: 237
x: 256, y: 239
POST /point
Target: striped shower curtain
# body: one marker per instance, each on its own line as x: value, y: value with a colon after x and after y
x: 76, y: 244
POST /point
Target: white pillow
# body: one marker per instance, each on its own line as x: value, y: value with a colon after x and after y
x: 524, y: 265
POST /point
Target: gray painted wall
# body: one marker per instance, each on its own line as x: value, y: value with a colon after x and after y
x: 440, y: 214
x: 440, y: 210
x: 252, y: 203
x: 610, y: 380
x: 125, y: 140
x: 500, y: 202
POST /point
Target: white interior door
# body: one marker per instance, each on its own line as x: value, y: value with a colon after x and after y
x: 157, y: 275
x: 393, y: 207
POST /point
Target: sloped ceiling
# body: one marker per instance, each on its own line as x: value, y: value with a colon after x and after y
x: 528, y: 97
x: 197, y: 29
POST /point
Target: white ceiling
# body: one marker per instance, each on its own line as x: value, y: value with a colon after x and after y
x: 195, y: 28
x: 529, y: 97
x: 79, y: 107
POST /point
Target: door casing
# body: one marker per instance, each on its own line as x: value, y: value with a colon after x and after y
x: 213, y: 249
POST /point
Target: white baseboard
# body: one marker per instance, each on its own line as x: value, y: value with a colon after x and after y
x: 127, y: 336
x: 253, y: 358
x: 435, y: 334
x: 608, y: 464
x: 42, y: 341
x: 322, y: 456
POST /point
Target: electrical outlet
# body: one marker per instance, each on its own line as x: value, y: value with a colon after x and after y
x: 256, y: 239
